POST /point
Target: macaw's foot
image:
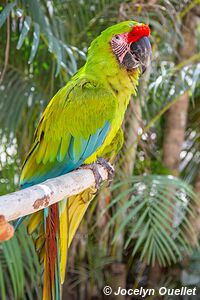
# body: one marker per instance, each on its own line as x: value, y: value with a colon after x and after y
x: 97, y: 175
x: 103, y: 162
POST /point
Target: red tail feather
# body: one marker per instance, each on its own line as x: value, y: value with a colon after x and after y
x: 52, y: 230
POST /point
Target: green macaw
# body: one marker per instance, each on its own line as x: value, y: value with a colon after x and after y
x: 81, y: 124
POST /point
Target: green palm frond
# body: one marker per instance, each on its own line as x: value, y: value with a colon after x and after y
x: 156, y: 217
x: 35, y: 25
x: 6, y: 12
x: 37, y: 22
x: 20, y: 272
x: 19, y: 97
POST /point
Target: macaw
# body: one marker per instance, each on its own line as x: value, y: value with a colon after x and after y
x: 81, y: 124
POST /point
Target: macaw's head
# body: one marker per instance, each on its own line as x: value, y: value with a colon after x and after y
x: 129, y: 43
x: 132, y: 48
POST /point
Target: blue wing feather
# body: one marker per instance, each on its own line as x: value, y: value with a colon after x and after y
x: 103, y: 133
x: 71, y: 161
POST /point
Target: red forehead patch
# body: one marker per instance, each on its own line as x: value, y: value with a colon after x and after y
x: 138, y: 32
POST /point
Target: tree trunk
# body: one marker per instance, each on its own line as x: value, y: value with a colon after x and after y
x: 176, y: 117
x: 175, y: 124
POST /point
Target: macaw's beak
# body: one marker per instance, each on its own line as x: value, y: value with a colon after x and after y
x: 141, y: 52
x: 138, y: 55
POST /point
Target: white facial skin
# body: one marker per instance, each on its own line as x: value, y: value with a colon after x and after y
x: 120, y: 46
x: 131, y: 55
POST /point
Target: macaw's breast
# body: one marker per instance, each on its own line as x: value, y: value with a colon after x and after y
x: 122, y: 85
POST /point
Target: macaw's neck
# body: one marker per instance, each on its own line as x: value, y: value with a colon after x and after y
x: 105, y: 69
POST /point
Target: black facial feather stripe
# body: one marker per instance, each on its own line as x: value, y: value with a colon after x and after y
x: 119, y: 49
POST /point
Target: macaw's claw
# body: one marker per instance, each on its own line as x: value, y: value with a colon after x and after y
x: 106, y: 165
x: 97, y: 175
x: 98, y: 179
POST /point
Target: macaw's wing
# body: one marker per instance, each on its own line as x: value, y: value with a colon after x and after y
x: 73, y: 126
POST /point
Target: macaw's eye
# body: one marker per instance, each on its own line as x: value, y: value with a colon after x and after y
x: 117, y: 37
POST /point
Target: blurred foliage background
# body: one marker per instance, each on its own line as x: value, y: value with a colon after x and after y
x: 143, y: 231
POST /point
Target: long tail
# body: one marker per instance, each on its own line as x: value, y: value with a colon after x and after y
x: 57, y: 226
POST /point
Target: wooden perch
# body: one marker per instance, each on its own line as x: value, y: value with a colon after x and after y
x: 37, y: 197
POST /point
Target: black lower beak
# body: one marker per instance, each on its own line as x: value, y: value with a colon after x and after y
x: 141, y: 51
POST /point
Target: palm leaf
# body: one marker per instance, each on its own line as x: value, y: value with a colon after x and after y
x: 18, y: 267
x: 149, y: 223
x: 6, y: 12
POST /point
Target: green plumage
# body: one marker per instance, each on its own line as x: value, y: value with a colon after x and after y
x: 82, y: 122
